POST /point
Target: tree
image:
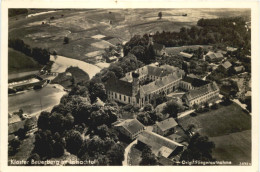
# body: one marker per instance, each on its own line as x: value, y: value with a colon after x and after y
x: 73, y: 141
x: 56, y: 122
x: 158, y: 99
x: 173, y: 108
x: 200, y: 148
x: 160, y: 15
x: 148, y: 107
x: 58, y: 145
x: 116, y: 154
x: 14, y: 146
x: 66, y: 40
x: 43, y: 144
x: 148, y: 158
x: 102, y: 131
x: 43, y: 120
x: 97, y: 90
x: 144, y: 118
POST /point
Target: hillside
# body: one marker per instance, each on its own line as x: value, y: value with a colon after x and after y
x: 19, y: 62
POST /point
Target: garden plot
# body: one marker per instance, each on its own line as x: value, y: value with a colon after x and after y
x: 102, y: 44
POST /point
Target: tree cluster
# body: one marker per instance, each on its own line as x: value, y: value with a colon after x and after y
x: 200, y: 148
x: 40, y: 55
x: 149, y: 116
x: 148, y: 158
x: 138, y: 46
x: 173, y: 108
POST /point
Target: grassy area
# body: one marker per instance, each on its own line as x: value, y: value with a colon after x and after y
x: 25, y: 149
x: 117, y: 24
x: 235, y: 147
x: 229, y: 127
x: 224, y: 120
x: 134, y: 156
x: 78, y: 74
x: 66, y: 79
x: 19, y: 62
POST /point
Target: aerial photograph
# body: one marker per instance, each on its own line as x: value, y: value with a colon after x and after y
x: 129, y: 87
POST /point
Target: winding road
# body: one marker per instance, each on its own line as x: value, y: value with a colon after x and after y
x: 127, y: 150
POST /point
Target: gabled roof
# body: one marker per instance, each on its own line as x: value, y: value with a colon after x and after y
x: 131, y: 125
x: 119, y: 86
x: 195, y: 82
x: 213, y: 55
x: 239, y: 68
x: 156, y: 141
x: 167, y: 124
x: 196, y: 93
x: 159, y: 83
x: 226, y: 65
x: 231, y: 49
x: 187, y: 55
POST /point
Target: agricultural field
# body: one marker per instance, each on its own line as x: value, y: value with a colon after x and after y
x: 19, y: 62
x: 235, y: 147
x: 229, y: 127
x: 91, y: 30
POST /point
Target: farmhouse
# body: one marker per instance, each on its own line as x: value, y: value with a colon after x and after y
x: 165, y: 127
x: 160, y: 146
x: 213, y: 57
x: 130, y: 128
x: 225, y: 67
x: 239, y: 69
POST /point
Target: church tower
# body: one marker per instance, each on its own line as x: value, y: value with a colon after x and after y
x: 135, y: 83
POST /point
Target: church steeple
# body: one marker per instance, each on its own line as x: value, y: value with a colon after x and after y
x: 135, y: 83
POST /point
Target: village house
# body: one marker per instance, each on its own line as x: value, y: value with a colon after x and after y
x: 130, y: 128
x: 239, y: 69
x: 225, y: 67
x: 213, y: 57
x: 160, y: 145
x: 231, y: 49
x: 165, y: 127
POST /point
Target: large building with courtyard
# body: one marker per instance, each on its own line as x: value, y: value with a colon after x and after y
x: 139, y: 87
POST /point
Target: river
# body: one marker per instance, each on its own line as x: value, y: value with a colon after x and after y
x: 34, y: 101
